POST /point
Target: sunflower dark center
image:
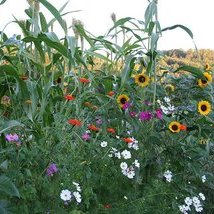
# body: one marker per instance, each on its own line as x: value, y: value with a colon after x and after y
x: 174, y: 127
x: 204, y: 81
x: 123, y: 100
x: 203, y: 107
x: 142, y: 79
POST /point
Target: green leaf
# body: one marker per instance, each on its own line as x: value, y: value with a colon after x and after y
x: 83, y: 34
x: 120, y: 22
x: 9, y: 125
x: 21, y: 86
x: 5, y: 207
x: 193, y: 70
x: 43, y: 22
x: 150, y: 11
x: 55, y: 13
x: 180, y: 26
x: 2, y: 2
x: 4, y: 165
x: 7, y: 186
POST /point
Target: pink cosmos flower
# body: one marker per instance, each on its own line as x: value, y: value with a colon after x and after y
x: 86, y: 136
x: 159, y: 114
x: 145, y: 115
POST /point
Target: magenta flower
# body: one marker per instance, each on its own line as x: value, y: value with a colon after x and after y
x: 12, y: 137
x: 159, y: 114
x: 145, y: 115
x: 51, y: 169
x: 126, y: 105
x: 133, y: 114
x: 86, y: 136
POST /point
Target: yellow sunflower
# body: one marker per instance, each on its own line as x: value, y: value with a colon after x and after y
x: 142, y: 79
x: 174, y: 126
x: 204, y: 107
x: 170, y: 87
x: 208, y: 79
x: 122, y: 99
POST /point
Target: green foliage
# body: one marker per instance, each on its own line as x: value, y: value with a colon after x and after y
x: 101, y: 117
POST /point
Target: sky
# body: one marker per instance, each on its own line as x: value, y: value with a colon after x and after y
x: 197, y: 15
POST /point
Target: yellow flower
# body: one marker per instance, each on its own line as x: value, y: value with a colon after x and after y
x: 142, y: 79
x: 208, y: 79
x: 174, y: 126
x: 170, y: 87
x: 204, y: 107
x: 122, y: 99
x: 207, y: 67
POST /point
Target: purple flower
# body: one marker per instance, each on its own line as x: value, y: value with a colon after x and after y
x: 145, y: 115
x: 159, y: 114
x: 148, y: 103
x: 51, y: 169
x: 126, y: 105
x: 12, y: 137
x: 133, y: 114
x: 99, y: 120
x: 86, y: 136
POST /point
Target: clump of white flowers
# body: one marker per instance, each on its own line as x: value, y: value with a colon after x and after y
x: 168, y: 175
x: 114, y: 153
x: 129, y: 171
x: 166, y: 106
x: 192, y: 203
x: 67, y: 196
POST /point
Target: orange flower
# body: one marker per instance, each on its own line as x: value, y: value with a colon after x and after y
x: 183, y: 127
x: 84, y: 80
x: 111, y: 93
x: 93, y: 128
x: 24, y: 77
x: 69, y: 97
x: 128, y: 140
x: 74, y: 122
x: 111, y: 130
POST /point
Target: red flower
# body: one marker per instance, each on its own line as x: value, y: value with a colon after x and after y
x: 84, y: 80
x: 128, y: 140
x: 111, y: 93
x: 93, y: 128
x: 183, y: 127
x: 107, y: 206
x: 111, y: 130
x: 74, y: 122
x: 69, y: 97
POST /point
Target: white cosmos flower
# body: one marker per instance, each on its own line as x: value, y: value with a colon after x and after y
x: 203, y: 178
x: 65, y: 195
x: 77, y: 186
x: 126, y: 154
x: 188, y: 201
x: 117, y: 155
x: 199, y: 209
x: 77, y: 196
x: 103, y: 144
x: 123, y: 165
x: 201, y: 195
x: 136, y: 163
x: 168, y: 175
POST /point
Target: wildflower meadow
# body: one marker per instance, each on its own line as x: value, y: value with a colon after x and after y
x: 95, y: 124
